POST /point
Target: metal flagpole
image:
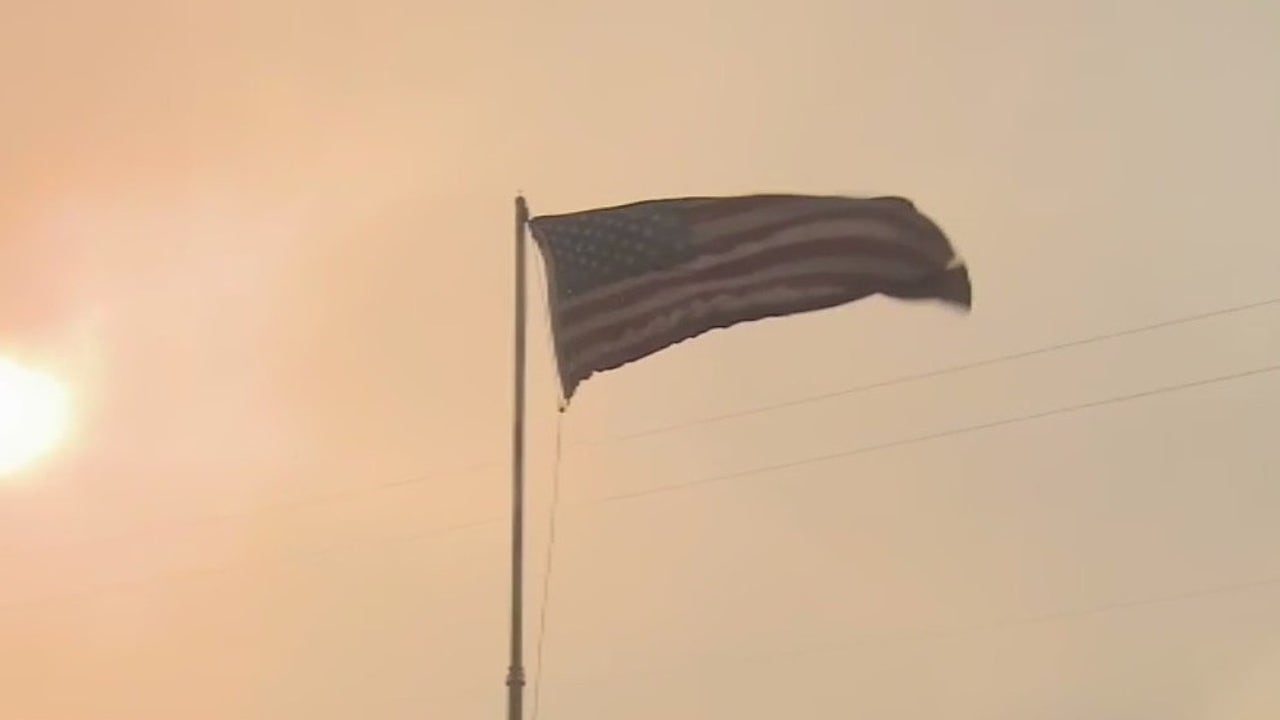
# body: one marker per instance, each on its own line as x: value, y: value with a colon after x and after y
x: 515, y: 672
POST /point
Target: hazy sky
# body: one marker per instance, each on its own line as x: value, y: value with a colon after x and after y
x: 268, y: 244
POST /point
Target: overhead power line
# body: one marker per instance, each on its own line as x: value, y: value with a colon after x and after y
x: 758, y: 470
x: 295, y: 558
x: 929, y: 374
x: 1264, y: 584
x: 342, y: 495
x: 951, y: 432
x: 335, y: 497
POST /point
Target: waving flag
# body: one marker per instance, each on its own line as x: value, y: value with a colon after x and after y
x: 629, y: 281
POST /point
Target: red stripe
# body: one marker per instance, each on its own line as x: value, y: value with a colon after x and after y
x: 657, y: 283
x: 727, y: 207
x: 950, y: 286
x: 735, y: 206
x: 780, y: 275
x: 902, y: 229
x: 846, y: 288
x: 579, y: 366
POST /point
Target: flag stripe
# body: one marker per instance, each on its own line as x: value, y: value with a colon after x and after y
x: 740, y: 218
x: 770, y: 300
x: 778, y: 265
x: 848, y: 237
x: 664, y: 331
x: 709, y: 309
x: 728, y: 221
x: 717, y: 239
x: 703, y: 210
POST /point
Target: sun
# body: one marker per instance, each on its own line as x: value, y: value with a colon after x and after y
x: 34, y: 412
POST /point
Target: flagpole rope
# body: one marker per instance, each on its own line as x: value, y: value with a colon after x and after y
x: 558, y: 449
x: 546, y: 575
x: 475, y: 468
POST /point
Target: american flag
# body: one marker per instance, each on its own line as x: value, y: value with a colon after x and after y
x: 628, y: 281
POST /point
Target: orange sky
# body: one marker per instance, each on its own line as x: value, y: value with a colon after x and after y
x: 267, y: 244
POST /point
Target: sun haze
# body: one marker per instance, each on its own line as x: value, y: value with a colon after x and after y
x: 33, y: 415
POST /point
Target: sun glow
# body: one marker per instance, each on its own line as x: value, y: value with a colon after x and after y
x: 34, y: 414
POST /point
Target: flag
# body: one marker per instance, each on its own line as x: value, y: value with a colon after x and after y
x: 626, y: 282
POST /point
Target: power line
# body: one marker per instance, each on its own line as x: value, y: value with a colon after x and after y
x: 758, y: 470
x: 262, y: 510
x: 196, y: 573
x: 928, y: 374
x: 364, y: 491
x: 492, y: 464
x: 290, y: 504
x: 1243, y: 588
x: 965, y: 429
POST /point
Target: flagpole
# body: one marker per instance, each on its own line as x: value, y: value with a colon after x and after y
x: 515, y: 671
